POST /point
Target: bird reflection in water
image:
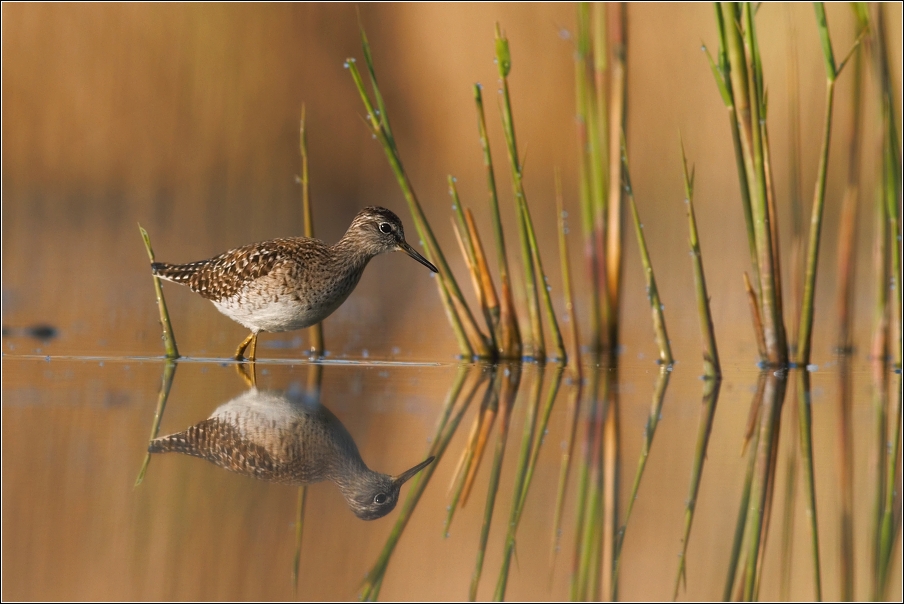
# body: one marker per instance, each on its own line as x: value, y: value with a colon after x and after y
x: 287, y: 438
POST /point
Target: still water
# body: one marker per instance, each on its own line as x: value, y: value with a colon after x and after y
x: 76, y: 525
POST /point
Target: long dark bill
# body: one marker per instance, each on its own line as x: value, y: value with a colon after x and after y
x: 407, y: 475
x: 410, y: 251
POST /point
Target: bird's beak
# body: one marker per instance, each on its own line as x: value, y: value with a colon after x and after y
x: 410, y: 251
x: 405, y: 476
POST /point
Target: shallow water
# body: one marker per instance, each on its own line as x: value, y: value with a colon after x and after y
x: 75, y: 432
x: 184, y: 118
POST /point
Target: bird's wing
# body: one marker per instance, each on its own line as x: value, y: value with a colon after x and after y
x: 227, y: 274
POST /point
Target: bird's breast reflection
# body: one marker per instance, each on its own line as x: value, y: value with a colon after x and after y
x: 284, y: 437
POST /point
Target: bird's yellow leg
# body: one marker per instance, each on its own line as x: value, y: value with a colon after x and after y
x: 248, y: 374
x: 253, y: 356
x: 240, y: 351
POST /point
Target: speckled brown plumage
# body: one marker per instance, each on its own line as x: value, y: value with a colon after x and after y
x: 294, y: 282
x: 280, y: 437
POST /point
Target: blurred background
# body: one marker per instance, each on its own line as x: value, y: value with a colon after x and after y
x: 185, y: 117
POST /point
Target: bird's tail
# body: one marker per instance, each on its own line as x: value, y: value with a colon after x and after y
x: 177, y: 273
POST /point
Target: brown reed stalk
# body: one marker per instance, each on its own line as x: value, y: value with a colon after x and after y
x: 316, y: 331
x: 618, y: 124
x: 847, y: 232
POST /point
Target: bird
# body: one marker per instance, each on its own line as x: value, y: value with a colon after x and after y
x: 294, y: 282
x: 288, y: 438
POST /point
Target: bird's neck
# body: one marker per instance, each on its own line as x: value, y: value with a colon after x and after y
x: 349, y: 255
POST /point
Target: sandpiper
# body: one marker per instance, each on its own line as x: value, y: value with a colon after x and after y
x: 291, y: 283
x: 289, y: 439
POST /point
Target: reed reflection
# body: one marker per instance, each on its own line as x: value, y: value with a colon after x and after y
x: 289, y: 438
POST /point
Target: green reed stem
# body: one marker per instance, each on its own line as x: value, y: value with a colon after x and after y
x: 446, y: 427
x: 723, y: 82
x: 316, y: 331
x: 584, y: 93
x: 530, y: 424
x: 711, y: 388
x: 589, y: 495
x: 575, y: 360
x: 299, y: 532
x: 508, y: 336
x: 790, y: 499
x: 169, y: 372
x: 773, y: 396
x: 533, y: 265
x: 574, y: 400
x: 741, y: 524
x: 519, y: 498
x: 507, y: 397
x: 169, y: 339
x: 794, y: 188
x: 662, y: 337
x: 662, y: 383
x: 806, y: 453
x: 378, y: 121
x: 711, y: 363
x: 807, y: 309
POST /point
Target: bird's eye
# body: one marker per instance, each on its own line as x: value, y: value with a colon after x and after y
x: 379, y: 498
x: 385, y: 227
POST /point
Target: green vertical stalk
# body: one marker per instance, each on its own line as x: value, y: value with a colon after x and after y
x: 807, y: 310
x: 169, y: 372
x: 316, y: 331
x: 711, y: 363
x: 378, y: 120
x: 525, y: 472
x: 169, y: 339
x: 773, y: 396
x: 535, y: 336
x: 445, y: 430
x: 662, y: 336
x: 806, y: 450
x: 741, y: 524
x: 662, y: 383
x: 711, y: 389
x: 508, y: 337
x: 507, y: 399
x: 796, y: 202
x: 723, y: 82
x: 585, y: 106
x: 575, y: 360
x: 832, y: 71
x: 299, y: 532
x: 770, y: 283
x: 535, y: 276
